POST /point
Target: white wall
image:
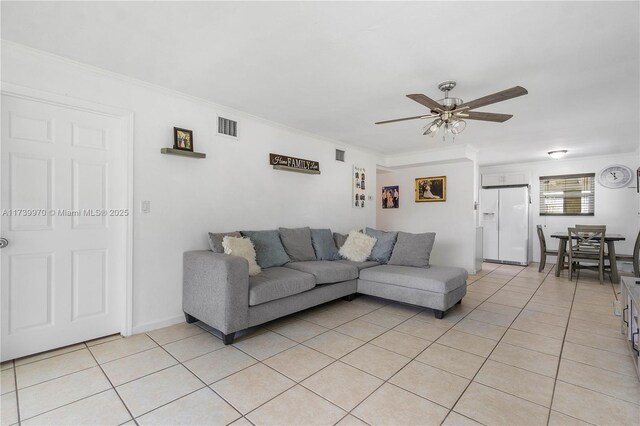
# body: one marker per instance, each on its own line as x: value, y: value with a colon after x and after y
x: 615, y: 208
x: 234, y: 188
x: 452, y: 221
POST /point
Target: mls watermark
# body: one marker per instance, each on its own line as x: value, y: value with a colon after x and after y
x: 65, y: 212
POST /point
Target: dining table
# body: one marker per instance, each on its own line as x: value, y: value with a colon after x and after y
x: 609, y: 239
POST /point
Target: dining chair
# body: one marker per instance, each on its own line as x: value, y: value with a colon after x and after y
x: 635, y: 257
x: 586, y: 245
x: 544, y: 252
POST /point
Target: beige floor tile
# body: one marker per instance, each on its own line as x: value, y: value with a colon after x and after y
x: 299, y: 362
x: 50, y: 368
x: 421, y: 329
x: 165, y: 335
x: 621, y: 386
x: 342, y: 384
x: 329, y: 318
x: 104, y: 339
x: 134, y: 366
x: 350, y: 420
x: 401, y: 343
x: 202, y: 407
x: 375, y: 360
x: 607, y: 330
x: 361, y: 330
x: 297, y: 406
x: 536, y: 327
x: 490, y: 406
x: 432, y: 383
x: 241, y: 422
x: 490, y: 317
x: 519, y: 289
x: 48, y: 354
x: 534, y: 342
x: 480, y: 328
x: 467, y: 342
x: 454, y: 314
x: 8, y: 409
x: 104, y: 408
x: 154, y: 390
x: 539, y: 307
x: 455, y: 419
x: 122, y: 347
x: 252, y: 387
x: 536, y: 362
x: 552, y: 301
x: 7, y: 381
x: 618, y: 363
x: 593, y: 407
x: 516, y: 381
x: 390, y: 405
x: 334, y: 344
x: 452, y: 360
x: 401, y: 309
x: 264, y: 345
x: 6, y: 364
x: 544, y: 318
x: 610, y: 344
x: 382, y: 319
x: 194, y: 346
x: 299, y: 330
x: 559, y: 419
x: 219, y: 364
x: 54, y: 393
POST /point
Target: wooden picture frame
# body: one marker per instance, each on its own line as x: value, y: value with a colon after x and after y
x: 431, y: 189
x: 182, y: 139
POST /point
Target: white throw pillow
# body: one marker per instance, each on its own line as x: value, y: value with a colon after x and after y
x: 357, y: 247
x: 242, y: 247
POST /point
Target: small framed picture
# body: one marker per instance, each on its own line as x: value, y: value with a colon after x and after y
x: 391, y: 197
x: 430, y: 189
x: 182, y: 139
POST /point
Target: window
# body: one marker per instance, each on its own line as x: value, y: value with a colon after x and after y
x: 567, y: 195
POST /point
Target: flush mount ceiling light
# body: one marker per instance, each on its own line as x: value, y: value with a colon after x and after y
x: 557, y: 154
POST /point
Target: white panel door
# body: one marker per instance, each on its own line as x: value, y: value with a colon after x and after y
x: 489, y: 220
x: 63, y: 185
x: 514, y: 224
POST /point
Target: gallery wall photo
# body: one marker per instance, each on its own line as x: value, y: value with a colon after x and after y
x: 391, y: 197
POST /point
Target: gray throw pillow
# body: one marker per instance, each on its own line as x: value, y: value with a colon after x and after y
x: 324, y: 245
x: 297, y: 244
x: 413, y: 249
x: 339, y: 239
x: 215, y: 240
x: 269, y: 250
x: 384, y: 245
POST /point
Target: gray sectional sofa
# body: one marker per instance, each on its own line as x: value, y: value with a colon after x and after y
x: 218, y: 290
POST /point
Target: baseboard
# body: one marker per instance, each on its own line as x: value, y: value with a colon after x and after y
x: 153, y: 325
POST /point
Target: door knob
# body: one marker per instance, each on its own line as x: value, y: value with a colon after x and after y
x: 3, y: 242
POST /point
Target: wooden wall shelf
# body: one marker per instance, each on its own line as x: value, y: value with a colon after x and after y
x: 293, y: 169
x: 182, y: 153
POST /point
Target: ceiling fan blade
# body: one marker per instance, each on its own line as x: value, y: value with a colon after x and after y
x: 514, y: 92
x: 406, y: 118
x: 426, y: 101
x: 485, y: 116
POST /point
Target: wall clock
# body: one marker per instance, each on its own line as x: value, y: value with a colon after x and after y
x: 615, y: 176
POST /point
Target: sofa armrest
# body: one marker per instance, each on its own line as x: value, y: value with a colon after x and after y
x: 215, y: 289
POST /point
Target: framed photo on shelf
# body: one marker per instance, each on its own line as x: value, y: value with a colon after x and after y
x: 431, y: 189
x: 182, y: 139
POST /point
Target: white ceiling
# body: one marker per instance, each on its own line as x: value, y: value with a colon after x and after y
x: 335, y: 68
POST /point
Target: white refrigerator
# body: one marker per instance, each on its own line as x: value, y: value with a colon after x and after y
x: 504, y: 217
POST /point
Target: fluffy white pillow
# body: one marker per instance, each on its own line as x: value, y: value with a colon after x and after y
x: 357, y: 247
x: 242, y: 247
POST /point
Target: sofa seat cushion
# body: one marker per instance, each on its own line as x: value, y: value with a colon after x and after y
x: 437, y: 279
x: 359, y: 265
x: 326, y: 271
x: 276, y: 283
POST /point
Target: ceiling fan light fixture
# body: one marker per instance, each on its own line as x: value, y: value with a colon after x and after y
x: 458, y: 127
x: 557, y: 154
x: 432, y: 128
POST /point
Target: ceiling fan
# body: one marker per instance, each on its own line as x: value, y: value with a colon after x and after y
x: 451, y: 113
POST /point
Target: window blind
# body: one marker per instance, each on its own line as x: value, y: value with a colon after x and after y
x: 567, y: 195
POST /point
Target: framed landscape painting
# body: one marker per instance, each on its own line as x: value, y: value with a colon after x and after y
x: 431, y: 189
x: 391, y: 197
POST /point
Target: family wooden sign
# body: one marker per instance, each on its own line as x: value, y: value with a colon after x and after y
x: 292, y: 164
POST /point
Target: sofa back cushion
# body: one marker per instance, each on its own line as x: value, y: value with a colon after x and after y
x: 339, y: 239
x: 215, y: 240
x: 244, y: 248
x: 324, y: 245
x: 384, y: 245
x: 357, y: 247
x: 413, y: 249
x: 297, y: 244
x: 269, y: 249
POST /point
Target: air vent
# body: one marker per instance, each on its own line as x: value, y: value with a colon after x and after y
x: 227, y: 127
x: 339, y: 155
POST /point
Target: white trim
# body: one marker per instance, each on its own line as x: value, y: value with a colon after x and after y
x: 126, y: 116
x: 153, y: 325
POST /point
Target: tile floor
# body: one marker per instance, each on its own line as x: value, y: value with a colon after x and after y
x: 524, y: 348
